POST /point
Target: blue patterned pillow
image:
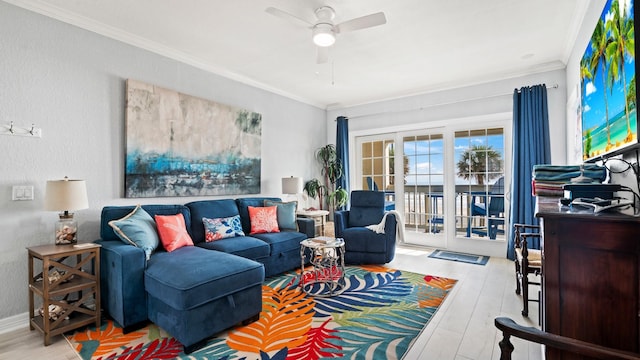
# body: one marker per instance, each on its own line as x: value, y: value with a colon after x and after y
x: 220, y: 228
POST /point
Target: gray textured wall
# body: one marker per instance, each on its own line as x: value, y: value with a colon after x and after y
x: 71, y: 83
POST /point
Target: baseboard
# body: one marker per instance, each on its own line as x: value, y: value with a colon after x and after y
x: 13, y: 323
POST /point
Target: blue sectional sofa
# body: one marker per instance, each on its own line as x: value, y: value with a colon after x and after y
x: 194, y: 292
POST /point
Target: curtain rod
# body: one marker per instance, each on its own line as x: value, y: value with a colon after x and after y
x: 554, y: 86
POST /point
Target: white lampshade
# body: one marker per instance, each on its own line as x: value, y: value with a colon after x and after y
x: 66, y: 195
x: 292, y: 185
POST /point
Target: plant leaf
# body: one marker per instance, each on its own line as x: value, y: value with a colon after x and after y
x: 317, y: 345
x: 284, y: 322
x: 396, y: 329
x: 434, y: 291
x: 370, y: 290
x: 109, y: 336
x: 165, y: 348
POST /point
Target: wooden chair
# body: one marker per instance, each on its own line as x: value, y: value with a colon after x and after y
x: 527, y: 261
x: 509, y: 328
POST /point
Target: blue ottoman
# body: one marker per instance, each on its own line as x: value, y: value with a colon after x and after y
x: 195, y: 293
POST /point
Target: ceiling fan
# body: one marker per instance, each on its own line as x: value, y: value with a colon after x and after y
x: 324, y: 31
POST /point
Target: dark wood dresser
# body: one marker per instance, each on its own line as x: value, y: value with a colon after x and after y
x: 591, y: 277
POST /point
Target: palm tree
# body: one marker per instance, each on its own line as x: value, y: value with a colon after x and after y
x: 620, y: 45
x: 597, y: 61
x: 631, y: 94
x: 585, y: 71
x: 479, y: 161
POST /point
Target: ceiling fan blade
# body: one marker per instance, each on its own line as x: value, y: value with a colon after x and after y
x: 362, y: 22
x: 323, y: 54
x: 289, y: 17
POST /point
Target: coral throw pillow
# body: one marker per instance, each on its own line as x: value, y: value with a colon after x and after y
x: 173, y: 231
x: 286, y: 214
x: 263, y: 219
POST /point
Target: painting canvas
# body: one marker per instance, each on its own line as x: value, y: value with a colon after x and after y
x: 608, y: 83
x: 180, y: 145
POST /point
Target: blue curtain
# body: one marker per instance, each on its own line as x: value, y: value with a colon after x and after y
x: 342, y: 150
x: 530, y: 147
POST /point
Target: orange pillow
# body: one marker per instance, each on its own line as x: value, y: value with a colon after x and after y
x: 173, y: 231
x: 263, y: 219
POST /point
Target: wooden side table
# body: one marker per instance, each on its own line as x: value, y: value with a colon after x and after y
x: 54, y: 290
x: 318, y: 216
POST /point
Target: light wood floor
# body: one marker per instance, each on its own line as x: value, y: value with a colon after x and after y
x: 462, y: 328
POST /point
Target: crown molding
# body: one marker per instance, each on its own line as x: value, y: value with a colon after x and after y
x: 149, y: 45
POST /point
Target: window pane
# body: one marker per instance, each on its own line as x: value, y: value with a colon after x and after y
x: 424, y: 203
x: 366, y: 150
x: 367, y: 167
x: 479, y: 163
x: 377, y: 148
x: 378, y: 167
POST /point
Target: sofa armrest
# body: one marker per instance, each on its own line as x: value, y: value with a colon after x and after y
x: 307, y: 226
x: 122, y: 289
x: 340, y: 221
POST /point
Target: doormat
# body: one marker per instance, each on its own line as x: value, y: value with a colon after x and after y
x: 378, y: 316
x: 454, y: 256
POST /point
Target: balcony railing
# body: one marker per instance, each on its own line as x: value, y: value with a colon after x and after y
x: 424, y: 210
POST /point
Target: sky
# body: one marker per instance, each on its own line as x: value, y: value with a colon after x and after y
x: 426, y: 157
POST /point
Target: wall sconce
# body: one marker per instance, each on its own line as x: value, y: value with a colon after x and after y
x: 65, y: 196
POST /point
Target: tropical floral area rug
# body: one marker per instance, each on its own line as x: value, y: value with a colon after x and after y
x: 378, y: 316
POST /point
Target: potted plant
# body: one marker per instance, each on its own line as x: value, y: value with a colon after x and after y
x: 314, y: 189
x: 332, y: 170
x: 339, y: 198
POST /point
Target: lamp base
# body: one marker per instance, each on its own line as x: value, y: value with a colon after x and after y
x: 66, y: 230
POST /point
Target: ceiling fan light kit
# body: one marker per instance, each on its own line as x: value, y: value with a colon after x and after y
x: 324, y: 30
x: 323, y: 35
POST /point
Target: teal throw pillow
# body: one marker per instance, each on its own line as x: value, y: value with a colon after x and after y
x: 221, y: 228
x: 138, y: 229
x: 286, y: 214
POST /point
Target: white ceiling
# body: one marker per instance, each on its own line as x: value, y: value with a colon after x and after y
x: 426, y: 45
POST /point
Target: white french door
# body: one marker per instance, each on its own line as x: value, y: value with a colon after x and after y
x: 425, y: 201
x: 450, y: 183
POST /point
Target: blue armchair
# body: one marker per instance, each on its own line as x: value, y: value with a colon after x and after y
x: 364, y: 246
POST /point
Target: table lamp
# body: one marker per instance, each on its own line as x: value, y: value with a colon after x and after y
x: 66, y: 195
x: 292, y: 186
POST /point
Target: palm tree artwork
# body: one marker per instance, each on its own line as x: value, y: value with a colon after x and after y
x: 620, y: 45
x: 607, y: 74
x: 597, y: 62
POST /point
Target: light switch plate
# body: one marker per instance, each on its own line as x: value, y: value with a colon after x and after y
x: 22, y: 193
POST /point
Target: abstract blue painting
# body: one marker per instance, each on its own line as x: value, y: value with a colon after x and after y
x: 181, y: 145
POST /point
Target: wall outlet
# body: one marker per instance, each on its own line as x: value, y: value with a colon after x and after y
x: 22, y: 193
